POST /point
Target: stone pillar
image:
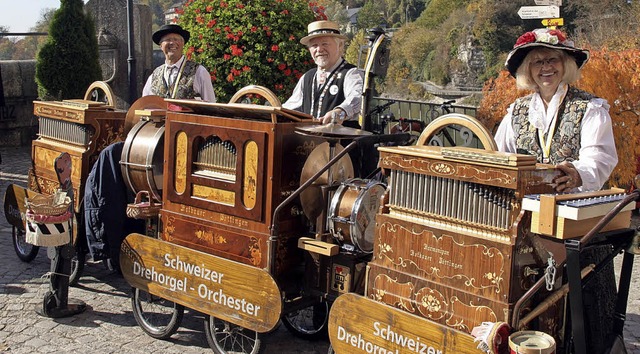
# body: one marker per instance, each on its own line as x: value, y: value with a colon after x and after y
x: 18, y: 126
x: 110, y: 17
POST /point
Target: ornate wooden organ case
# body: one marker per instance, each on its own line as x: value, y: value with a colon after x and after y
x: 453, y: 244
x: 227, y: 167
x: 81, y: 128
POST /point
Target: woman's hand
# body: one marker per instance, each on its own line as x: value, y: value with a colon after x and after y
x: 569, y: 179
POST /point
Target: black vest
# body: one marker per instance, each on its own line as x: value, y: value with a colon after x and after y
x: 329, y: 101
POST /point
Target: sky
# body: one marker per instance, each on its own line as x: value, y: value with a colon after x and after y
x: 22, y: 15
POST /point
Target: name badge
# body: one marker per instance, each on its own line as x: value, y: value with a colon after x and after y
x: 333, y: 90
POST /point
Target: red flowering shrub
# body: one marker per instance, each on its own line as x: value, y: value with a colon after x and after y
x: 250, y: 42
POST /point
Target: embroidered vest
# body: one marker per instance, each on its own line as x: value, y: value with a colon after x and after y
x: 566, y: 140
x: 185, y: 84
x: 331, y: 99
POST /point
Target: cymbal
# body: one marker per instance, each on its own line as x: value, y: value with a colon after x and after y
x: 145, y: 102
x: 311, y: 198
x: 332, y: 130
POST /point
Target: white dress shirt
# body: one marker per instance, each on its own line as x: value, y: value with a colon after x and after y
x: 353, y: 82
x: 201, y: 83
x: 597, y: 156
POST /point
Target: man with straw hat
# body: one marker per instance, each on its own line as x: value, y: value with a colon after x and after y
x: 334, y: 87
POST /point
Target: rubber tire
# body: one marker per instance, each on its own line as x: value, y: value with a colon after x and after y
x: 26, y: 252
x: 223, y: 337
x: 318, y: 326
x: 158, y: 331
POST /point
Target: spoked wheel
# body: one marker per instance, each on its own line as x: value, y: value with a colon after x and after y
x: 227, y: 338
x: 158, y: 317
x: 25, y: 251
x: 309, y: 323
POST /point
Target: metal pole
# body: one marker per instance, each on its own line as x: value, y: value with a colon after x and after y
x: 131, y: 60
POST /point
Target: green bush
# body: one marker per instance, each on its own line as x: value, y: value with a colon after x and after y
x: 68, y: 62
x: 245, y: 43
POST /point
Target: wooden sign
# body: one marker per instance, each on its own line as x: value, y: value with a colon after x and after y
x: 14, y: 206
x: 238, y: 293
x: 534, y: 12
x: 360, y: 325
x: 553, y: 22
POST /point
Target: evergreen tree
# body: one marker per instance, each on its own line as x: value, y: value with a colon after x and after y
x: 68, y: 62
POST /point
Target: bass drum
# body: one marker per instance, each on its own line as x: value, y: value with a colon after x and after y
x: 353, y: 210
x: 142, y: 158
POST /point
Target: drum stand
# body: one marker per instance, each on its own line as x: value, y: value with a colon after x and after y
x: 56, y: 301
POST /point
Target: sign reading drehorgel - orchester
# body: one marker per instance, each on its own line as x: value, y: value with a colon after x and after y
x: 238, y: 293
x: 534, y: 12
x: 358, y: 325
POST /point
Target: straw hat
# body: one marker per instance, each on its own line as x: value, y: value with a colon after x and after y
x: 320, y: 29
x: 543, y: 37
x: 166, y: 29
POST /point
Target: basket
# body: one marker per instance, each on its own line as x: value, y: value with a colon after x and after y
x: 47, y: 230
x: 54, y: 204
x: 140, y: 209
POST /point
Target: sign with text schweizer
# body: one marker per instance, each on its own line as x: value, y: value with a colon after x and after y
x: 549, y: 2
x: 534, y: 12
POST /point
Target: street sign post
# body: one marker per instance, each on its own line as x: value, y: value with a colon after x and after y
x: 534, y: 12
x: 549, y: 2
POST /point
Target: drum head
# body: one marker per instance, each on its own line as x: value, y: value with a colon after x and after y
x: 146, y: 102
x: 353, y: 210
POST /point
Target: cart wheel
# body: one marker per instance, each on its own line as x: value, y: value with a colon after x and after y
x: 77, y: 266
x: 225, y: 337
x: 25, y: 251
x: 158, y: 317
x: 309, y: 323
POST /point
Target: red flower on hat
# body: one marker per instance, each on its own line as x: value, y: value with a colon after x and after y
x: 526, y: 38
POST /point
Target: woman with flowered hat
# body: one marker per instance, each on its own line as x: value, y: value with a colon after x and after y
x: 558, y: 123
x: 571, y: 129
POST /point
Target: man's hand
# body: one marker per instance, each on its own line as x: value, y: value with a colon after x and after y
x: 569, y: 179
x: 328, y: 117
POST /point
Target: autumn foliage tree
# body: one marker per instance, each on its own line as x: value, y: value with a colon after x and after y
x: 612, y: 75
x: 254, y: 42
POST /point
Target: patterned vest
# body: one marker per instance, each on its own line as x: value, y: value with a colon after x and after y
x: 566, y: 140
x: 331, y: 97
x: 185, y: 84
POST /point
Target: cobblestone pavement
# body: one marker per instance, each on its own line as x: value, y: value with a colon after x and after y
x: 108, y: 325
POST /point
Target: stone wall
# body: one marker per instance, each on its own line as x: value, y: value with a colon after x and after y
x: 17, y: 123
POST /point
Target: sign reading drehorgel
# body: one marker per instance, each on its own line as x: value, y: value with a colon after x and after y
x: 238, y: 293
x: 361, y: 325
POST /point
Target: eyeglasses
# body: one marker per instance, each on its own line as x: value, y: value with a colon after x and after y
x: 548, y: 61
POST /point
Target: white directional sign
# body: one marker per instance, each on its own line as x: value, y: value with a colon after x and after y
x: 533, y: 12
x: 549, y: 2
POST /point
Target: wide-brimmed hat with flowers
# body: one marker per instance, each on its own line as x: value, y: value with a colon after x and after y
x: 171, y: 28
x: 322, y: 29
x: 543, y: 37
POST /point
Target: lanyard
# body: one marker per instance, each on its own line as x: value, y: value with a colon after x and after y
x: 546, y: 144
x: 323, y: 90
